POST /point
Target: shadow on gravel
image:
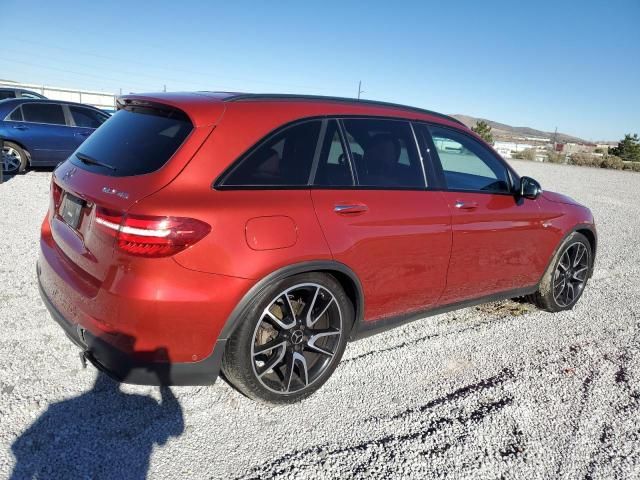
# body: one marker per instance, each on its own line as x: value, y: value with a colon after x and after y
x: 42, y: 169
x: 4, y: 178
x: 103, y: 433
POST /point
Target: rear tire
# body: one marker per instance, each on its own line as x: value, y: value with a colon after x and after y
x: 14, y: 159
x: 291, y: 340
x: 563, y: 283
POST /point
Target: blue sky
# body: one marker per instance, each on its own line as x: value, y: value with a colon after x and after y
x: 570, y: 64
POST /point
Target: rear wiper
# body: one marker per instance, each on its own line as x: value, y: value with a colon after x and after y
x: 92, y: 161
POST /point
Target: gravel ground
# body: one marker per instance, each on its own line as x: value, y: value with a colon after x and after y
x: 500, y: 390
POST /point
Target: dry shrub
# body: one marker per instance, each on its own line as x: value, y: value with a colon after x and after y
x: 585, y: 160
x: 588, y: 160
x: 613, y: 162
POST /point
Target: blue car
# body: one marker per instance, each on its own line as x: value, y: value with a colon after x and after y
x: 43, y: 133
x: 6, y: 93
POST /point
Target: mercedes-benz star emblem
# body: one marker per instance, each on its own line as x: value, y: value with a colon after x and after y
x: 69, y: 173
x: 296, y: 337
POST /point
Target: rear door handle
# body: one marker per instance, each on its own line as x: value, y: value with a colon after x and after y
x: 350, y: 209
x: 466, y: 205
x: 20, y: 127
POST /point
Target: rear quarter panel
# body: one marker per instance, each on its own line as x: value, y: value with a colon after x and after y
x: 236, y: 247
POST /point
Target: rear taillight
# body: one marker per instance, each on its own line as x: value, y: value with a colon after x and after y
x: 151, y: 236
x: 56, y: 194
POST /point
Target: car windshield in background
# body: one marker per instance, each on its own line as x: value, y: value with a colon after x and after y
x: 133, y: 143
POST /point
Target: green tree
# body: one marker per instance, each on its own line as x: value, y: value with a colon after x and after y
x: 628, y: 148
x: 483, y: 129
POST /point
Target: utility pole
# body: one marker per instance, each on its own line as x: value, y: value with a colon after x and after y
x: 360, y: 89
x: 555, y: 137
x: 164, y: 88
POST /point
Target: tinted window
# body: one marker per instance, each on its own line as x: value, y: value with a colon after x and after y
x: 43, y: 113
x: 333, y: 164
x: 384, y: 153
x: 283, y: 160
x: 467, y: 164
x: 16, y: 115
x: 85, y: 117
x: 4, y: 94
x: 135, y: 143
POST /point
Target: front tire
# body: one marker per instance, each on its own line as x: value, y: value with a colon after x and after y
x: 291, y: 340
x: 563, y: 283
x: 14, y: 159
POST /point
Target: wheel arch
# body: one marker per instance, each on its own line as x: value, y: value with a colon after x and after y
x: 593, y: 240
x: 341, y: 272
x: 589, y: 231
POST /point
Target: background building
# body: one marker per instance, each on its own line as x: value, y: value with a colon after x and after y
x: 96, y: 99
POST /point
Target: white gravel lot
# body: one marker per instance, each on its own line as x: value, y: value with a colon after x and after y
x: 495, y: 391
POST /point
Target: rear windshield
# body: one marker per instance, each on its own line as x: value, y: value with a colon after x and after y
x: 133, y: 142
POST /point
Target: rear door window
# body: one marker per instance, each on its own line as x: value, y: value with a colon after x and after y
x: 134, y: 143
x: 43, y: 113
x: 384, y: 153
x: 333, y: 168
x: 85, y: 117
x: 16, y: 115
x: 4, y: 94
x: 283, y: 159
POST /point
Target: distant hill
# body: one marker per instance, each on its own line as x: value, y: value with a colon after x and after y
x: 503, y: 130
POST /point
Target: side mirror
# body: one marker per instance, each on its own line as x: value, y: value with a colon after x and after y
x: 529, y: 188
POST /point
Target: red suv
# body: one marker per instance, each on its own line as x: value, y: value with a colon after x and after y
x: 257, y: 234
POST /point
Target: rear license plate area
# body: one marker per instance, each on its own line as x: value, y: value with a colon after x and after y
x: 71, y: 209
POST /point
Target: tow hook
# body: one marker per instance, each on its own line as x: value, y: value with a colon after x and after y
x: 83, y: 359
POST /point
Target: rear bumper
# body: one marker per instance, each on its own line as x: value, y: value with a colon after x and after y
x: 144, y: 321
x: 125, y: 368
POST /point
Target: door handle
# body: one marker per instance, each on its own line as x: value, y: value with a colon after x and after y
x: 20, y: 127
x: 466, y: 205
x: 350, y: 209
x: 82, y: 134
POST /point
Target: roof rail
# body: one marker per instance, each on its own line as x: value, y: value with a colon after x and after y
x: 239, y: 97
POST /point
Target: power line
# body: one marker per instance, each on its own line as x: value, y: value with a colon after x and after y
x: 64, y: 70
x: 158, y: 79
x: 158, y: 67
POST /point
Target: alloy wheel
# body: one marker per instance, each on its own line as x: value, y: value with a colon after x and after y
x: 570, y: 276
x: 11, y: 160
x: 296, y: 338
